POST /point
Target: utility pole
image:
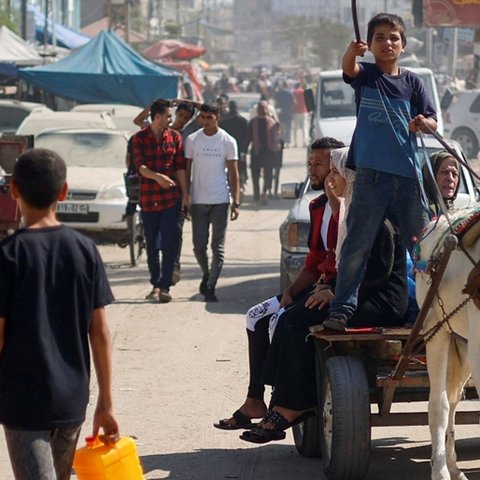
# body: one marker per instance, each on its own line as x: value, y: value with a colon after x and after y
x: 24, y: 19
x: 45, y: 28
x: 126, y: 14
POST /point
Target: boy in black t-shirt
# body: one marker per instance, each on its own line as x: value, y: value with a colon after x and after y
x: 53, y: 290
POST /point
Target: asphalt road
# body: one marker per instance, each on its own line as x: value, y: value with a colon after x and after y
x: 181, y: 366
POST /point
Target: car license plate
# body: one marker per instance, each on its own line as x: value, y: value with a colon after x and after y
x: 79, y: 208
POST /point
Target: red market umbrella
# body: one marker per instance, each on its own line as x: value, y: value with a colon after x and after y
x: 173, y: 49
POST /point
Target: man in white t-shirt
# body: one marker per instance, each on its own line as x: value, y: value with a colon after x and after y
x: 212, y: 157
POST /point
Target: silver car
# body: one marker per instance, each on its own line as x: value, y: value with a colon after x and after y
x: 295, y: 229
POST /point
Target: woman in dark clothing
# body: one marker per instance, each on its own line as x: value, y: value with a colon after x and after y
x: 445, y: 180
x: 290, y: 365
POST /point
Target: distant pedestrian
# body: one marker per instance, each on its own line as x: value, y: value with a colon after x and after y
x: 284, y: 103
x: 185, y: 124
x: 212, y: 167
x: 300, y: 116
x: 159, y: 160
x: 237, y: 126
x: 263, y: 134
x: 53, y: 290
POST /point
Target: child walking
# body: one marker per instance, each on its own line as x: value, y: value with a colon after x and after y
x: 53, y: 290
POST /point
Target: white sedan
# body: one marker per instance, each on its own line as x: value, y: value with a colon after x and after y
x: 95, y: 161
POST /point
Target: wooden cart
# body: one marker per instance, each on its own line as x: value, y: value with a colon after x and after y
x: 356, y: 390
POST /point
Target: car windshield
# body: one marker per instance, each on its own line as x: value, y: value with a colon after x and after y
x: 93, y: 150
x: 245, y: 103
x: 337, y: 99
x: 11, y: 117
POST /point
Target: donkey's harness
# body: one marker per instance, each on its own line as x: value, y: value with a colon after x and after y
x: 466, y: 230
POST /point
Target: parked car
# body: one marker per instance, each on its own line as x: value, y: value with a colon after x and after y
x: 462, y: 121
x: 41, y: 119
x: 95, y: 161
x: 13, y: 112
x: 122, y: 115
x: 334, y: 111
x: 246, y: 103
x: 295, y: 228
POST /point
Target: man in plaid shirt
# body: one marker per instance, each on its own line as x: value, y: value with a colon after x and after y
x: 159, y: 160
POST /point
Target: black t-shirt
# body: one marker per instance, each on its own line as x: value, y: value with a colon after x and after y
x: 237, y: 127
x: 51, y: 280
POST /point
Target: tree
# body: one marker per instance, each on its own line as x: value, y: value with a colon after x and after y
x: 305, y: 36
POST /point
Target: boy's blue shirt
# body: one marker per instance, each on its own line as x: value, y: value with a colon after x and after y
x: 385, y: 104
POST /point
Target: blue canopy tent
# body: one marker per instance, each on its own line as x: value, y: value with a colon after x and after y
x: 105, y: 70
x: 64, y: 36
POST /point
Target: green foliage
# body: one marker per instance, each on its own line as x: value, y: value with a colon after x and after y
x: 5, y: 20
x: 320, y: 41
x: 173, y: 30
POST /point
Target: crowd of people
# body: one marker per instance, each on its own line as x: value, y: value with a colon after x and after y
x: 355, y: 273
x: 285, y: 97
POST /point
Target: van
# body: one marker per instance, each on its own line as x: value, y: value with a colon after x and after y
x: 334, y: 110
x: 13, y: 112
x: 122, y: 115
x: 42, y: 119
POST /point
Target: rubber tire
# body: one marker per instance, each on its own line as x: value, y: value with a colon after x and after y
x: 307, y: 437
x: 345, y: 410
x: 135, y: 238
x: 470, y: 147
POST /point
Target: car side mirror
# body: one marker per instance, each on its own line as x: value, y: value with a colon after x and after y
x: 291, y: 190
x: 446, y: 100
x: 309, y: 99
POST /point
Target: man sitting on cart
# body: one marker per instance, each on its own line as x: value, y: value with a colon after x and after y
x: 290, y: 366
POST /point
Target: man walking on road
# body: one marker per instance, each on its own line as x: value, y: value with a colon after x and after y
x: 208, y: 151
x: 158, y: 158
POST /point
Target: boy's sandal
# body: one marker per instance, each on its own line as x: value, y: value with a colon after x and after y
x: 242, y: 422
x: 279, y: 423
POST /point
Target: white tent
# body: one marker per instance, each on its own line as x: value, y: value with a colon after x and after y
x: 13, y: 49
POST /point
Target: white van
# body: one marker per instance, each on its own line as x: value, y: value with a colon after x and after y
x: 334, y: 113
x: 42, y: 119
x: 122, y: 115
x: 13, y: 112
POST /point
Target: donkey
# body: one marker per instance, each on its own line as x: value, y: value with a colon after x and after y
x: 453, y: 353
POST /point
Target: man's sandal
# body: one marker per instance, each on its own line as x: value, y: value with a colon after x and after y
x: 242, y: 422
x: 279, y: 423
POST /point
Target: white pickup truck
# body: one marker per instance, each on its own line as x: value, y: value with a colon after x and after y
x: 333, y: 104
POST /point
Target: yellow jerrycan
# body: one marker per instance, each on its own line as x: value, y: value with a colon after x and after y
x: 99, y: 460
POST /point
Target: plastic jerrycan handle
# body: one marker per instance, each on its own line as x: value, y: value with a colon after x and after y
x: 96, y: 440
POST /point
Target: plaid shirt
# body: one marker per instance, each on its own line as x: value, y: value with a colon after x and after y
x: 163, y: 155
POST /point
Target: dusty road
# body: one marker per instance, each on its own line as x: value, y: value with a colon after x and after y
x: 181, y: 366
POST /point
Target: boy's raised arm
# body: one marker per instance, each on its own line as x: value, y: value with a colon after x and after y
x: 349, y: 61
x: 102, y: 359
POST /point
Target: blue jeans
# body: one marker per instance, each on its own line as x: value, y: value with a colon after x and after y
x: 42, y: 454
x: 376, y: 196
x: 161, y: 235
x: 202, y: 217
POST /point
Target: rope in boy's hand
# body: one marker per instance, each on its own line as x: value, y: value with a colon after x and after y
x: 356, y: 26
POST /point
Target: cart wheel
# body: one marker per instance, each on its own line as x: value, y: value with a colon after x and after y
x: 345, y: 407
x: 307, y: 436
x: 136, y: 238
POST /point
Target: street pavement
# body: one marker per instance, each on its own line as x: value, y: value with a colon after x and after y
x: 181, y: 366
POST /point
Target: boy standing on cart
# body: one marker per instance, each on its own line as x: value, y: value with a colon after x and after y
x: 392, y: 105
